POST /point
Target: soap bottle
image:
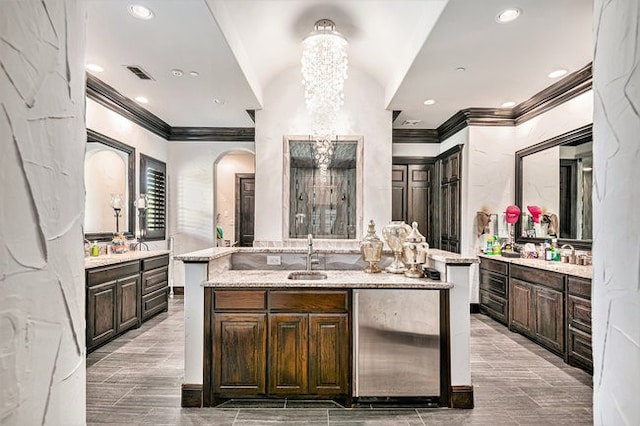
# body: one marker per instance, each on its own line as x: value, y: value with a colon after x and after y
x: 548, y: 255
x: 95, y: 249
x: 489, y: 248
x: 497, y: 248
x: 555, y: 251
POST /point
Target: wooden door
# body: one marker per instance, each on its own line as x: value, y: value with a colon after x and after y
x: 101, y: 313
x: 288, y: 364
x: 128, y: 306
x: 549, y: 318
x: 399, y: 192
x: 328, y: 354
x: 245, y: 209
x: 420, y: 198
x: 240, y: 352
x: 520, y: 301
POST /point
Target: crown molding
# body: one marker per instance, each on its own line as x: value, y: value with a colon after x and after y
x: 414, y: 136
x: 109, y: 97
x: 213, y: 134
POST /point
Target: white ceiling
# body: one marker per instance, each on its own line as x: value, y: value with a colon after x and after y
x: 411, y: 47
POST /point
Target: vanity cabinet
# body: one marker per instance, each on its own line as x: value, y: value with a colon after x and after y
x: 119, y: 297
x: 112, y: 301
x: 536, y: 306
x: 579, y: 350
x: 494, y: 289
x: 285, y: 343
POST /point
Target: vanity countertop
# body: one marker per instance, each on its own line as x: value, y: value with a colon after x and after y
x: 217, y: 252
x: 112, y: 259
x: 335, y: 279
x: 582, y: 271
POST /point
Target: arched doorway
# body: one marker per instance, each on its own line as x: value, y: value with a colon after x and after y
x: 234, y: 199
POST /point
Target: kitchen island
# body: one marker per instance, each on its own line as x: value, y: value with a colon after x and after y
x: 302, y: 334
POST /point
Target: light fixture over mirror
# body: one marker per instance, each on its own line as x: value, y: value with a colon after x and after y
x: 324, y: 70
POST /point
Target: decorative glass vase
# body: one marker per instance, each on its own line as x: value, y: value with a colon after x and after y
x: 414, y: 252
x: 395, y: 234
x: 371, y: 248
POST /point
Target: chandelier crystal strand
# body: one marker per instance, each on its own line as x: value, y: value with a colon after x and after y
x: 324, y: 70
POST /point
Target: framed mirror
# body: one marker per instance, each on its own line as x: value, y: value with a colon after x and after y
x: 554, y: 182
x: 322, y: 191
x: 109, y: 174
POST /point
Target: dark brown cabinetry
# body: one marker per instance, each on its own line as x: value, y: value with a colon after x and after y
x: 450, y: 180
x: 579, y: 352
x: 494, y: 289
x: 292, y: 343
x: 536, y: 306
x: 116, y: 297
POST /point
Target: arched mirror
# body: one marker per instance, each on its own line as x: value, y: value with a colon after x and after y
x: 109, y: 173
x: 555, y: 176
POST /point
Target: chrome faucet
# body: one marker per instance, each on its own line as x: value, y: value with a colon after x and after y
x: 310, y: 260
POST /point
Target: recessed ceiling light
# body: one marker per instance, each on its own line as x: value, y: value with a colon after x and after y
x: 219, y: 101
x: 142, y: 99
x: 139, y: 11
x: 557, y: 73
x: 94, y: 67
x: 429, y: 102
x: 508, y: 15
x: 194, y: 73
x: 177, y: 73
x: 461, y: 69
x: 508, y: 104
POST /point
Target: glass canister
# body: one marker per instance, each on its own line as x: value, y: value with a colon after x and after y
x: 395, y: 234
x: 371, y: 248
x: 414, y: 253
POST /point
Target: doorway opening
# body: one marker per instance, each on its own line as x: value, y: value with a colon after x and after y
x: 234, y: 199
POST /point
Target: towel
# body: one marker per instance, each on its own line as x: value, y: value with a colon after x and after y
x: 553, y: 224
x: 483, y: 219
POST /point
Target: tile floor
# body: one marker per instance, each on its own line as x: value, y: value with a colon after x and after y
x: 135, y: 380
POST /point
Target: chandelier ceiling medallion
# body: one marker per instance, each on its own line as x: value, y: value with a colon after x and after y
x: 324, y: 70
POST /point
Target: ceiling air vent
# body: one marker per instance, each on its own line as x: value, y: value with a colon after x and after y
x: 139, y: 72
x: 410, y: 122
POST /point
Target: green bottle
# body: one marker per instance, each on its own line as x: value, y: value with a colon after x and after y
x: 95, y: 249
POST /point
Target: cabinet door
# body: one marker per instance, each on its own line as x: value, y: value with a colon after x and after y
x: 288, y: 365
x: 128, y: 306
x: 420, y: 198
x: 328, y: 354
x: 454, y: 214
x: 101, y: 313
x: 399, y: 192
x: 549, y: 318
x: 520, y: 299
x: 240, y: 351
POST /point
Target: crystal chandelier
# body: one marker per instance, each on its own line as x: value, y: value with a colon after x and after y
x: 324, y: 69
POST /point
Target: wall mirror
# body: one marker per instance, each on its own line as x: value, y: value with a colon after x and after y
x: 556, y: 176
x: 109, y: 169
x: 324, y: 203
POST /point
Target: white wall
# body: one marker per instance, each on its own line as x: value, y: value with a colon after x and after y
x: 284, y: 113
x: 616, y: 203
x: 115, y: 126
x: 225, y: 197
x: 42, y: 325
x: 191, y: 189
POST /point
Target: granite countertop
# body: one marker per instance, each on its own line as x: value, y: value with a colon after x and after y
x: 112, y: 259
x: 217, y: 252
x: 582, y: 271
x: 335, y: 279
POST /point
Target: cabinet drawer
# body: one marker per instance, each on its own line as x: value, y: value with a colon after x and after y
x: 552, y: 280
x: 239, y: 299
x: 494, y: 265
x: 154, y: 280
x: 155, y: 262
x: 579, y: 349
x: 155, y: 302
x: 309, y: 301
x: 579, y: 313
x: 110, y: 273
x: 579, y: 287
x: 494, y: 283
x: 494, y: 306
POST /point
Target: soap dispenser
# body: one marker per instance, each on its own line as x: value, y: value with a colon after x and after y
x: 95, y: 249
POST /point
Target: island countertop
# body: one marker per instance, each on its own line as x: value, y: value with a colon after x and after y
x: 335, y: 279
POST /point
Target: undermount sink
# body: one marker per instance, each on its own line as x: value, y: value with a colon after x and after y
x: 307, y: 275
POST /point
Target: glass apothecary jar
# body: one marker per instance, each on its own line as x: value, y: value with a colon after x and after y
x: 371, y: 248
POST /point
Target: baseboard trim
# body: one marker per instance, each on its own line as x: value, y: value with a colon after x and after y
x: 191, y: 395
x: 462, y: 396
x: 475, y: 308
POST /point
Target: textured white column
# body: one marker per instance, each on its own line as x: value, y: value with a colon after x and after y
x: 616, y: 207
x: 195, y: 274
x: 42, y: 143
